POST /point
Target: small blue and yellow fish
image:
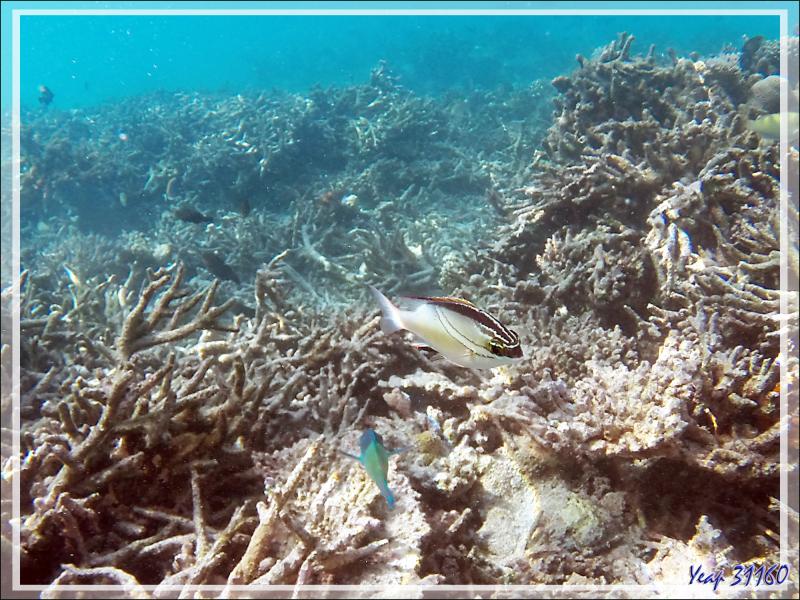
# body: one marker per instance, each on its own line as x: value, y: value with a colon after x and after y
x: 453, y: 327
x: 374, y: 458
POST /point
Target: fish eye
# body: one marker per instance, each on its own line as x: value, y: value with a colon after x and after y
x: 496, y: 347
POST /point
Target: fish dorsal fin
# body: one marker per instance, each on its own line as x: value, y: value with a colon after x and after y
x: 493, y: 327
x: 442, y: 300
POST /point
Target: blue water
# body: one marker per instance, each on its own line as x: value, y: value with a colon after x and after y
x: 85, y: 60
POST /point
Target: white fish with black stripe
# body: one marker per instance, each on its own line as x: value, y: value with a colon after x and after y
x: 453, y: 327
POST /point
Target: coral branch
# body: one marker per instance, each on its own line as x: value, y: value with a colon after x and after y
x: 247, y: 569
x: 139, y: 331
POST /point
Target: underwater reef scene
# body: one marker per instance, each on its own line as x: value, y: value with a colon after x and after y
x: 200, y: 349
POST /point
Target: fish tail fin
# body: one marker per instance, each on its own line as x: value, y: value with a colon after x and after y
x: 390, y: 322
x: 387, y: 493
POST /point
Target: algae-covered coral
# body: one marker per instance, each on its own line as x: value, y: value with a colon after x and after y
x: 180, y: 427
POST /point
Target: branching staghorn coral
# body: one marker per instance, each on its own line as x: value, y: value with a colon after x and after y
x: 155, y: 419
x: 141, y: 331
x: 138, y: 434
x: 112, y: 431
x: 323, y: 262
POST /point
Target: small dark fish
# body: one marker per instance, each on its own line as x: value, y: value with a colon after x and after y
x: 747, y: 55
x: 244, y: 207
x: 191, y: 215
x: 218, y: 267
x: 45, y: 95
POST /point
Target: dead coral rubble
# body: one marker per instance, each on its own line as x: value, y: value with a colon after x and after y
x: 102, y: 447
x: 116, y: 433
x: 654, y: 223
